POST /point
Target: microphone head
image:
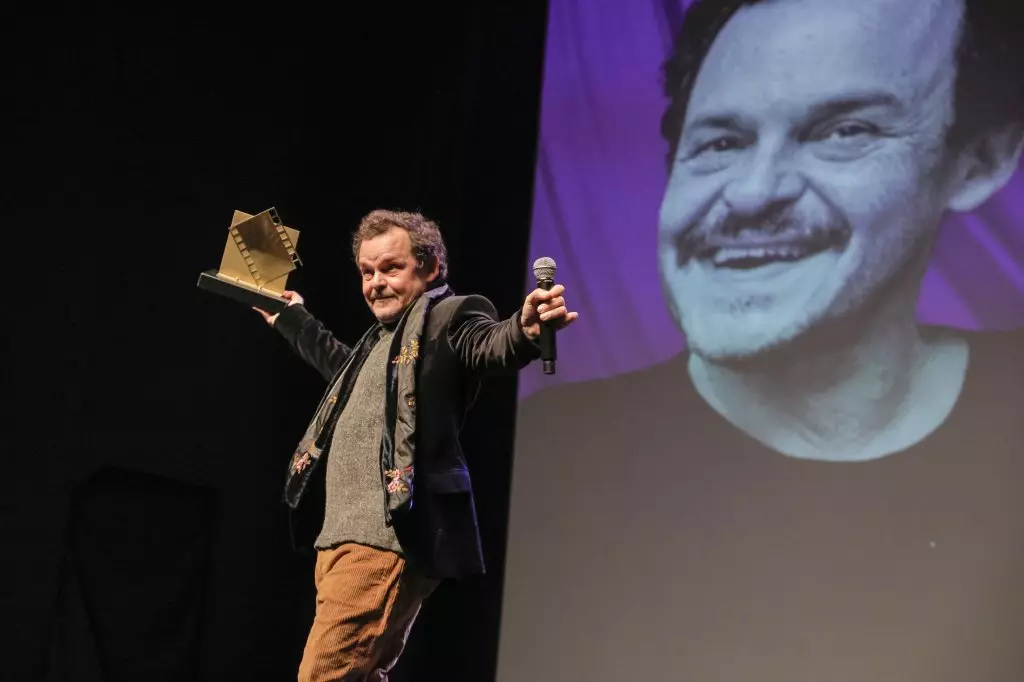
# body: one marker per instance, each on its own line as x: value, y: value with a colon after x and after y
x: 544, y: 269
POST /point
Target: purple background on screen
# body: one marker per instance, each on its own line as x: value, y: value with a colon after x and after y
x: 599, y: 182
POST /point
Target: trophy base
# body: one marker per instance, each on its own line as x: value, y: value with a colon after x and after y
x: 209, y: 281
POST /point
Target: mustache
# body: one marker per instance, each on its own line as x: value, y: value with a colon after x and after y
x: 703, y: 238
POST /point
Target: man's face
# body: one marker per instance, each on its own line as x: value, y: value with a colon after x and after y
x: 812, y: 166
x: 392, y: 277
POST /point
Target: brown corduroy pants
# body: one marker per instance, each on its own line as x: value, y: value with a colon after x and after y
x: 366, y: 602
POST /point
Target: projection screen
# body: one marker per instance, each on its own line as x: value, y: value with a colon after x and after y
x: 786, y: 436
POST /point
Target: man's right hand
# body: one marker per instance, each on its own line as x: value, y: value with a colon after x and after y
x: 294, y: 298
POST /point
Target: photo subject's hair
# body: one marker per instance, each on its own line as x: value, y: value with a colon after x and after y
x: 990, y: 63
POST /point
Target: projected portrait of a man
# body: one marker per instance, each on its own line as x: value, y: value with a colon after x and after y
x: 820, y: 485
x: 814, y: 149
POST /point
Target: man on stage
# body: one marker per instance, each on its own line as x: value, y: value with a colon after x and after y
x: 390, y: 511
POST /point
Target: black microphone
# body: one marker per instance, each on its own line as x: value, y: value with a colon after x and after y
x: 544, y: 271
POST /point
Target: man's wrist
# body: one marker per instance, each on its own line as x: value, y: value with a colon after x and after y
x: 291, y: 320
x: 532, y: 338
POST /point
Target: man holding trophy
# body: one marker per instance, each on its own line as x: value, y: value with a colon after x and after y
x: 379, y: 483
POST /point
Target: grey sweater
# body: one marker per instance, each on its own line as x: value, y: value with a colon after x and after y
x: 355, y: 497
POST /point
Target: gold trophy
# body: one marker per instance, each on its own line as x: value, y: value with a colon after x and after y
x: 259, y: 255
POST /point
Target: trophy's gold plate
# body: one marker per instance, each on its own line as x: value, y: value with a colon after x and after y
x: 260, y: 252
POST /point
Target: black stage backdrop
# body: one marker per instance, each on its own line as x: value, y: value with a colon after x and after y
x: 153, y: 422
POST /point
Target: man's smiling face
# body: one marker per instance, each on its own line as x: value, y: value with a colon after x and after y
x: 812, y: 166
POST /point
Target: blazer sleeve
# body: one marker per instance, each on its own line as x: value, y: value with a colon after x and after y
x: 485, y: 344
x: 311, y: 341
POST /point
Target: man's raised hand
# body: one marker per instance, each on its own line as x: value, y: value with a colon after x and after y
x: 546, y: 306
x: 294, y: 298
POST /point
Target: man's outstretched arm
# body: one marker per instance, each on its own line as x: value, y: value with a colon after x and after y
x: 485, y: 344
x: 307, y: 336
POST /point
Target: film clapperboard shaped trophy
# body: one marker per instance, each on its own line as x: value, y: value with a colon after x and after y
x: 259, y: 255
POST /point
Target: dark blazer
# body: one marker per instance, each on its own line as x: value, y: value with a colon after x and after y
x: 463, y: 340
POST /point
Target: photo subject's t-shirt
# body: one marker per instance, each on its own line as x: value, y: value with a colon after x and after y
x: 688, y: 543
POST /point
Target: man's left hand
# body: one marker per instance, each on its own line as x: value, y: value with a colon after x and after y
x: 545, y: 306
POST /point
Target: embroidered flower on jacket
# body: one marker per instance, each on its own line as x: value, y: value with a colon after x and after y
x: 409, y: 353
x: 300, y: 462
x: 399, y: 479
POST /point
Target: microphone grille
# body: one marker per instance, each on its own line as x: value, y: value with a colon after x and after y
x: 544, y: 268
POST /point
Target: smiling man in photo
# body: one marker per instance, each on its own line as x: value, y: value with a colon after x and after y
x: 819, y: 145
x: 819, y: 487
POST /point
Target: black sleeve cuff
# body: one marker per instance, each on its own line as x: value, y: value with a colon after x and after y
x: 291, y: 321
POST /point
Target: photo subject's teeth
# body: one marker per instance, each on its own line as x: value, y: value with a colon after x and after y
x: 787, y: 252
x: 749, y: 256
x: 725, y: 255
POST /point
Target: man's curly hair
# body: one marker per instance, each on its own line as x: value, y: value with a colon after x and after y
x: 427, y: 244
